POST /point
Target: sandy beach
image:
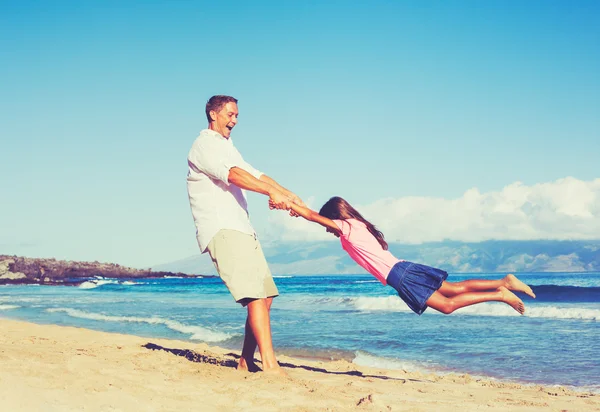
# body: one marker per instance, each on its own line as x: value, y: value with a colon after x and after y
x: 57, y: 368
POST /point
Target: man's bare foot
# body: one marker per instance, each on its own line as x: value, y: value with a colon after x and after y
x: 512, y: 299
x: 514, y: 284
x: 246, y: 366
x: 276, y: 371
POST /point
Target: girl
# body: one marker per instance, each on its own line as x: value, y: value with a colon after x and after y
x: 418, y: 285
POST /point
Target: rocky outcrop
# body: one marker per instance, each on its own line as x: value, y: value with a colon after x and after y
x: 5, y: 272
x: 24, y: 270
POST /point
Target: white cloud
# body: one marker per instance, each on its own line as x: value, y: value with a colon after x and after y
x: 565, y: 209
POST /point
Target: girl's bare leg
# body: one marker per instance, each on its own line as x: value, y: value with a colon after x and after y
x: 448, y: 305
x: 510, y: 281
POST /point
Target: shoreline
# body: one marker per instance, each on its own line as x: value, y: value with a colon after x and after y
x: 420, y: 370
x: 303, y: 354
x: 70, y: 368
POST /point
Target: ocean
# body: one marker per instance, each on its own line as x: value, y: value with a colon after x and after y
x: 351, y: 317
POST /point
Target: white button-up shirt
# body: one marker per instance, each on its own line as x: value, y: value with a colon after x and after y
x: 216, y: 204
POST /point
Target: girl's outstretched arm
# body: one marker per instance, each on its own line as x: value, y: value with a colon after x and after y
x: 313, y: 216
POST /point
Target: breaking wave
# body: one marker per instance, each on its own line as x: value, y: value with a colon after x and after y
x: 196, y: 332
x: 395, y: 304
x: 92, y: 284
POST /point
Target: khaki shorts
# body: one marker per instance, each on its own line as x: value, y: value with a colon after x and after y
x: 242, y: 266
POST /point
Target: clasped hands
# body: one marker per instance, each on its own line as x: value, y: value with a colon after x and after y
x: 281, y: 201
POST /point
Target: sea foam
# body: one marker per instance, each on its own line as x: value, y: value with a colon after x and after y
x: 388, y: 304
x: 91, y: 284
x: 365, y: 359
x: 196, y: 332
x: 395, y: 304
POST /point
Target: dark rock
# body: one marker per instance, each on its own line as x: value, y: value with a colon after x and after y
x: 17, y: 270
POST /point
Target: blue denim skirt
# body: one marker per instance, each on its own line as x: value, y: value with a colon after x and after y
x: 415, y: 283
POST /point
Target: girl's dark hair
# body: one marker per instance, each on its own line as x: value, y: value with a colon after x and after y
x: 338, y: 208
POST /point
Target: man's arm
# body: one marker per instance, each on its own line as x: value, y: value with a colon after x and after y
x: 292, y: 196
x: 245, y: 180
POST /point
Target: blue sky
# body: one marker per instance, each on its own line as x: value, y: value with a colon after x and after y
x: 100, y: 102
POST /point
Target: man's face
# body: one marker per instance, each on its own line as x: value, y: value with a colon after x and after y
x: 225, y: 120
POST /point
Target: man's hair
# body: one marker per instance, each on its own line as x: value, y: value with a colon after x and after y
x: 216, y: 103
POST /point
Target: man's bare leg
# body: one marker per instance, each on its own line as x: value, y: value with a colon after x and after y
x: 510, y: 282
x: 246, y: 362
x: 260, y: 325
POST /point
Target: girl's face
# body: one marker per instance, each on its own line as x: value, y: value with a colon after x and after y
x: 329, y: 230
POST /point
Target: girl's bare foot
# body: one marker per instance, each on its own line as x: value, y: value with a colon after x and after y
x: 512, y: 299
x: 514, y: 284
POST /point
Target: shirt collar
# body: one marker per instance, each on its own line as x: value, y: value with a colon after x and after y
x: 213, y: 133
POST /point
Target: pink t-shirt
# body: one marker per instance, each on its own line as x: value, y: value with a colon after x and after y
x: 365, y: 250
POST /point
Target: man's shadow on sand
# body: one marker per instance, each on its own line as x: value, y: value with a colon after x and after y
x: 229, y: 363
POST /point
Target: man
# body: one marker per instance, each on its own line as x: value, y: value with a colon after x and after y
x: 216, y: 176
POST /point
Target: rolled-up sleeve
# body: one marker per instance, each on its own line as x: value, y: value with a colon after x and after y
x: 212, y: 158
x: 242, y: 164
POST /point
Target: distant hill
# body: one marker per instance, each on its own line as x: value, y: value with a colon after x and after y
x: 456, y: 257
